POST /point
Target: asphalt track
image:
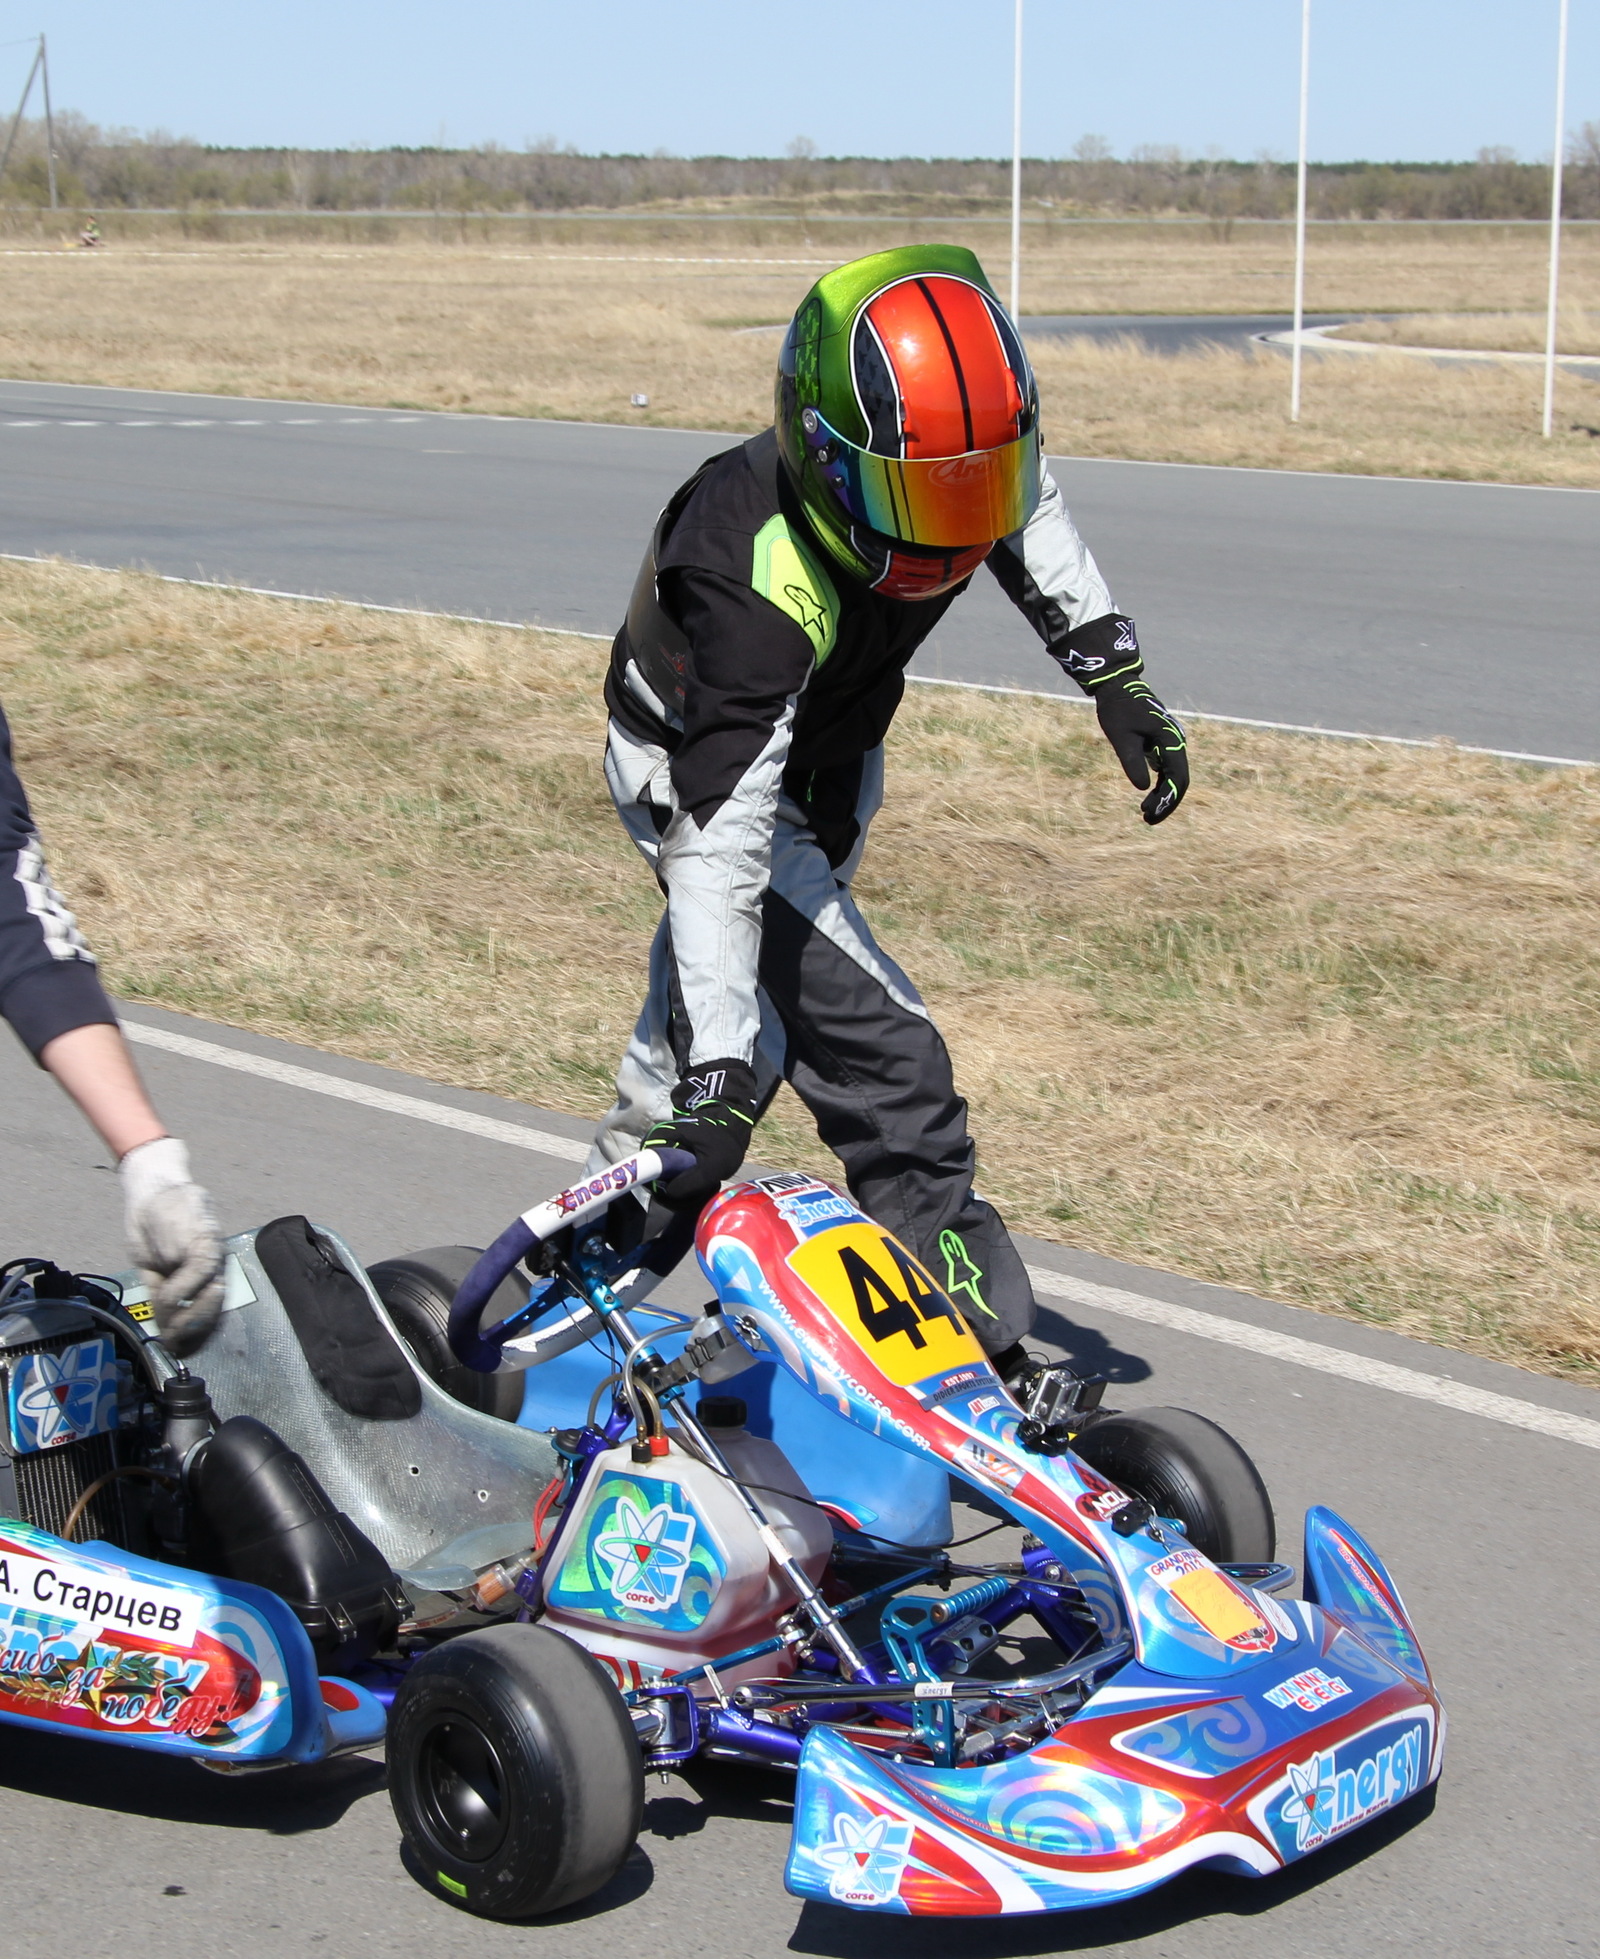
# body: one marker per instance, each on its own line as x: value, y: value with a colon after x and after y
x: 1478, y: 1483
x: 1382, y: 606
x: 1174, y: 333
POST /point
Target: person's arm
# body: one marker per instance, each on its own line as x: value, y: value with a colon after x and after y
x: 96, y: 1069
x: 1050, y: 575
x: 50, y: 992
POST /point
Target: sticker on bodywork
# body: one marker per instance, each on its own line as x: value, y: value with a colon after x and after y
x: 55, y: 1399
x: 886, y: 1301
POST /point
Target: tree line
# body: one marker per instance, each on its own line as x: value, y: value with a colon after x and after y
x: 115, y: 169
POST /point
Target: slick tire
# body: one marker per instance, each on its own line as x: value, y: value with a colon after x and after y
x: 417, y: 1291
x: 1189, y: 1469
x: 514, y: 1772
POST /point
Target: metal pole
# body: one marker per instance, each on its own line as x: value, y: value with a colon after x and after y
x: 16, y: 120
x: 1300, y: 214
x: 1016, y: 165
x: 49, y: 124
x: 1555, y: 221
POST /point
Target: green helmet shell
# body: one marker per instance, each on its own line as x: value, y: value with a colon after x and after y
x: 819, y: 377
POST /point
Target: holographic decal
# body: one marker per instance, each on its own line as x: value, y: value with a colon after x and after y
x: 60, y: 1398
x: 642, y: 1558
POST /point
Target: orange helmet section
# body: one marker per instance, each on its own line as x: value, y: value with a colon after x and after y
x: 956, y: 379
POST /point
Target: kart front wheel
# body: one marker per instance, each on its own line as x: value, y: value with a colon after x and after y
x: 514, y: 1772
x: 1190, y: 1470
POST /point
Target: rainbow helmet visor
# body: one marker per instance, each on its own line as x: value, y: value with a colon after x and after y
x: 907, y: 414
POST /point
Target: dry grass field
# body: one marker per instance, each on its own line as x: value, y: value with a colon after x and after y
x: 1329, y: 1034
x: 575, y: 328
x: 1577, y: 331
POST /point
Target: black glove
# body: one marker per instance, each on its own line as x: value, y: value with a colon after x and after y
x: 1146, y: 737
x: 713, y: 1113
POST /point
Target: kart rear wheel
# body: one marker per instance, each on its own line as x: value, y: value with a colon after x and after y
x: 1190, y: 1470
x: 417, y: 1291
x: 514, y: 1772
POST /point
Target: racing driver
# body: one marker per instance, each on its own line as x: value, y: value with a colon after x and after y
x: 50, y: 992
x: 786, y: 586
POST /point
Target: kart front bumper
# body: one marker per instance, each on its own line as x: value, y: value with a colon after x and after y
x: 1152, y: 1777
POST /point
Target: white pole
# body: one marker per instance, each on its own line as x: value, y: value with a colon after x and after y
x: 1016, y: 166
x: 1555, y: 221
x: 1300, y: 214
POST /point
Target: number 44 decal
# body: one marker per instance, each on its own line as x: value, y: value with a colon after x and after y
x: 883, y: 1311
x: 873, y: 1287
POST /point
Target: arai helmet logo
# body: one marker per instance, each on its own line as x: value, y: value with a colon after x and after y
x: 648, y: 1552
x: 866, y: 1859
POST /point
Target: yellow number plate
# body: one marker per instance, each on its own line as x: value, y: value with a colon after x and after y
x: 885, y: 1300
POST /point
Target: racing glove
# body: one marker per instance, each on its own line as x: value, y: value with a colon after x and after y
x: 713, y: 1114
x: 172, y: 1231
x: 1146, y: 736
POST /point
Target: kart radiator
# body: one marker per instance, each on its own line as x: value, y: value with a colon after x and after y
x: 56, y: 1436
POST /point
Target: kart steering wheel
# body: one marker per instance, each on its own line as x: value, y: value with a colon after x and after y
x: 484, y: 1348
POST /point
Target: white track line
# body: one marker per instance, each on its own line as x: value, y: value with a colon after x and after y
x: 1276, y: 727
x: 318, y: 598
x: 1080, y: 1292
x: 1326, y: 1360
x: 384, y: 1099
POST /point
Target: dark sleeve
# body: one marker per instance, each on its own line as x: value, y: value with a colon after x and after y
x: 48, y: 981
x: 747, y: 663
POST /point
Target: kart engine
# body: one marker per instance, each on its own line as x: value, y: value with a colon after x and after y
x: 104, y: 1438
x: 80, y: 1429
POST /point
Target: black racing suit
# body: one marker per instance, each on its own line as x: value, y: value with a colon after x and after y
x: 49, y: 984
x: 750, y: 690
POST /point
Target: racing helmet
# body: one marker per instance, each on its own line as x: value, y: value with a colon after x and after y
x: 908, y: 418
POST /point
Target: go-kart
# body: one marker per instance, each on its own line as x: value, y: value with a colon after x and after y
x: 529, y: 1643
x: 1185, y: 1716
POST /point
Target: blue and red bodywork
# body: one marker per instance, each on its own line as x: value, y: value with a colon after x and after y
x: 1240, y: 1732
x: 103, y: 1643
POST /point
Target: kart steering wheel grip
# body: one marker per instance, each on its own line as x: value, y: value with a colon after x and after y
x: 478, y: 1347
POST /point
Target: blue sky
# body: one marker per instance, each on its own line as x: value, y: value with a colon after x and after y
x: 1391, y: 78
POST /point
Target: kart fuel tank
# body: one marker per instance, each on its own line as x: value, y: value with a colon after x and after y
x: 660, y: 1566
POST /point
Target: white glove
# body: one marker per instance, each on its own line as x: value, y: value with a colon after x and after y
x: 172, y: 1232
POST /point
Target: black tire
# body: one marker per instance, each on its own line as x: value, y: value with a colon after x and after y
x: 514, y: 1772
x: 1189, y: 1469
x: 417, y: 1290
